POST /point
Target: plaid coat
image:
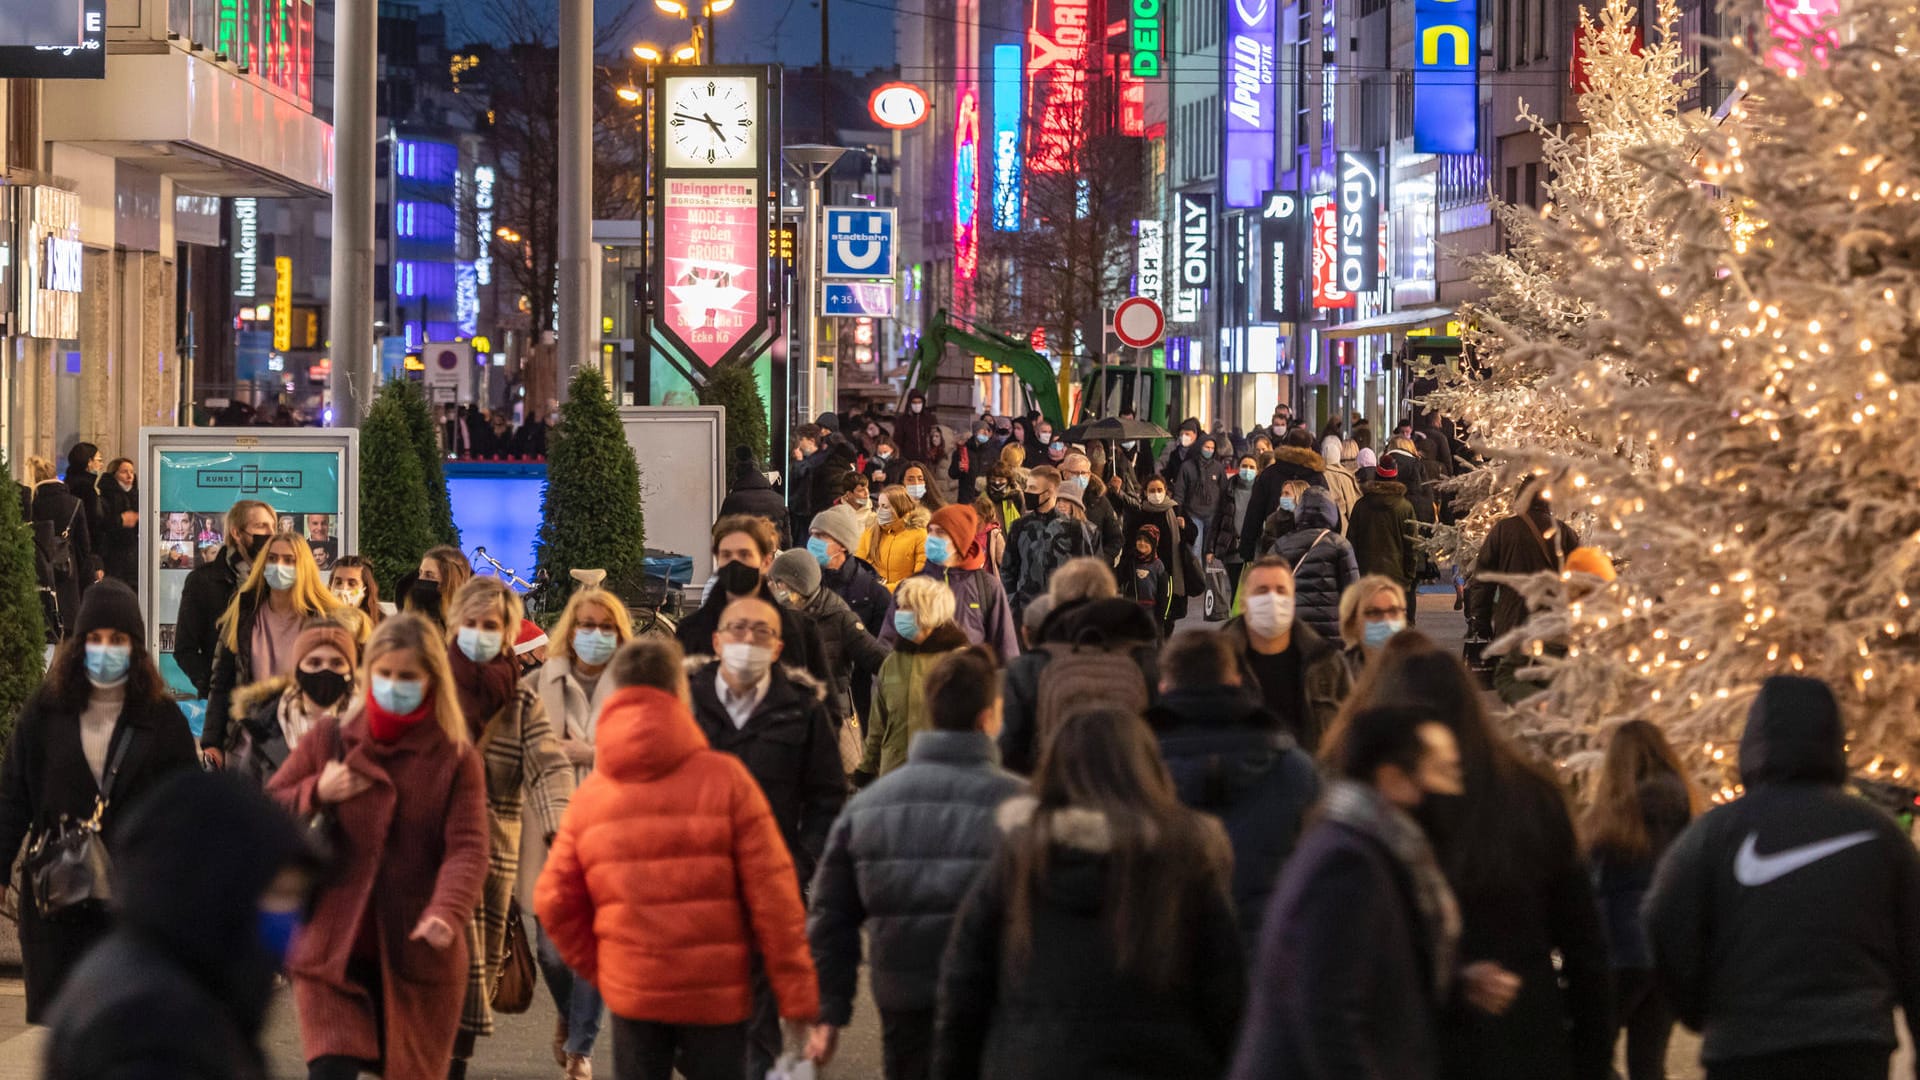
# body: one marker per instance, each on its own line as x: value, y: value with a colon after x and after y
x: 518, y: 750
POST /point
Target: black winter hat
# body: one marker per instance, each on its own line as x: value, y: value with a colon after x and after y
x: 1794, y: 734
x: 828, y: 420
x: 109, y: 605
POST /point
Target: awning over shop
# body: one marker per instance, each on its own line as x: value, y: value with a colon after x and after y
x: 1393, y: 322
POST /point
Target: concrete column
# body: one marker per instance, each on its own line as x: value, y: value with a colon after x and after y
x: 576, y: 337
x: 100, y: 366
x: 350, y: 315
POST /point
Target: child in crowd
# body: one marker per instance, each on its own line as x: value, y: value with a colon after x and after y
x: 1142, y: 575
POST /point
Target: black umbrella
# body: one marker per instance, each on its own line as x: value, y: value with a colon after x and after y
x: 1115, y: 428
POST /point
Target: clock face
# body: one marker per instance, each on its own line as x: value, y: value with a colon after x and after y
x: 711, y: 122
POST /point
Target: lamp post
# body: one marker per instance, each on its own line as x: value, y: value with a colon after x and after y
x: 811, y: 162
x: 703, y: 40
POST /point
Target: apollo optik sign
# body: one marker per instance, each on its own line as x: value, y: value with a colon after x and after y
x: 1446, y: 89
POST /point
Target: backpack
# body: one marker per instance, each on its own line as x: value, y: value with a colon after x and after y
x: 1078, y: 677
x: 58, y: 547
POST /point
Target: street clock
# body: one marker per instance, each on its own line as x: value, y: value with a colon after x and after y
x: 711, y: 121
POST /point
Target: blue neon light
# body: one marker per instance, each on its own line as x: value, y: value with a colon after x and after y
x: 1009, y: 198
x: 1446, y: 91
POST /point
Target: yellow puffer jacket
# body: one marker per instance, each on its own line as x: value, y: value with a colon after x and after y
x: 898, y: 550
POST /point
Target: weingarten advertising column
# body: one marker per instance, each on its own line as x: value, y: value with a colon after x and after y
x: 1247, y: 70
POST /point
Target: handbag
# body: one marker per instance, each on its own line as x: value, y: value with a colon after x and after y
x: 513, y: 990
x: 853, y: 745
x: 68, y: 867
x: 320, y: 829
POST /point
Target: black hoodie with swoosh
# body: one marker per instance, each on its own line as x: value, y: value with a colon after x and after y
x: 1789, y: 919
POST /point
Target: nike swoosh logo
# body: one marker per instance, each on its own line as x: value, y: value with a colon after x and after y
x: 1753, y: 869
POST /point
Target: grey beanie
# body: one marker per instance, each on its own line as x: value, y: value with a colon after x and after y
x: 797, y: 570
x: 839, y: 524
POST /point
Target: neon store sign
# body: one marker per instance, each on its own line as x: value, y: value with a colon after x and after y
x: 1009, y: 197
x: 1446, y: 90
x: 966, y: 188
x: 1144, y: 39
x: 1248, y: 68
x: 1057, y: 82
x: 1795, y: 24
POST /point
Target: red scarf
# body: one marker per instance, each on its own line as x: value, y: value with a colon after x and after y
x: 485, y: 688
x: 388, y: 727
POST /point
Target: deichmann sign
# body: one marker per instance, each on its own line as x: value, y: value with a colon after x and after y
x: 898, y: 106
x: 1446, y: 89
x: 1149, y: 272
x: 1248, y: 70
x: 1279, y: 258
x: 1358, y: 264
x: 1144, y: 41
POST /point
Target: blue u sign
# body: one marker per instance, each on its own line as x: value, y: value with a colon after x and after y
x: 859, y: 242
x: 1446, y: 90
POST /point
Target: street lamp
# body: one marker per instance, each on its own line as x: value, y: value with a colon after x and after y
x: 679, y: 9
x: 646, y: 54
x: 811, y: 162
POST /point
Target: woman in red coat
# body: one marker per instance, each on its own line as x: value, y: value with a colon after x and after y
x: 379, y: 973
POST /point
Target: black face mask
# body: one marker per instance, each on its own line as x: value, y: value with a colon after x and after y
x: 425, y: 596
x: 1441, y: 816
x: 256, y: 545
x: 738, y: 579
x: 999, y: 491
x: 323, y: 688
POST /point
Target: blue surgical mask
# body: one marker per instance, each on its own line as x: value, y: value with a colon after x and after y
x: 1286, y: 503
x: 397, y: 696
x: 939, y: 550
x: 1249, y: 474
x: 907, y: 625
x: 1206, y: 453
x: 594, y: 647
x: 1377, y: 633
x: 980, y: 436
x: 275, y: 930
x: 108, y: 665
x: 279, y: 576
x: 479, y: 645
x: 1081, y: 482
x: 817, y: 548
x: 918, y: 491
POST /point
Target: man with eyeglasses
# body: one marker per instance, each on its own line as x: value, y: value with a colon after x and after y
x: 774, y: 719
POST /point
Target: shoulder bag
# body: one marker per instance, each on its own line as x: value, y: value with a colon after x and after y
x: 67, y: 867
x: 513, y: 990
x: 321, y: 829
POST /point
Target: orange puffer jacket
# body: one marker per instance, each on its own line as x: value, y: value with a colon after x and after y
x: 669, y: 872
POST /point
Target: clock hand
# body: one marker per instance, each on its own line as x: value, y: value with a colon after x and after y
x: 714, y: 124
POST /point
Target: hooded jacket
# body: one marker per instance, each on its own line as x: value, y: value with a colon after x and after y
x: 1114, y: 624
x: 846, y: 648
x: 899, y: 862
x: 1516, y: 545
x: 1105, y: 519
x: 1289, y: 463
x: 898, y: 549
x: 180, y: 989
x: 1789, y: 918
x: 1230, y: 758
x: 980, y: 609
x: 669, y: 876
x: 1381, y: 531
x: 1323, y: 563
x: 914, y: 430
x: 900, y: 698
x: 1067, y: 1012
x: 789, y: 748
x: 753, y: 494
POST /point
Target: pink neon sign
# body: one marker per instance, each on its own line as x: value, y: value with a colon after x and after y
x: 966, y: 188
x: 1797, y: 23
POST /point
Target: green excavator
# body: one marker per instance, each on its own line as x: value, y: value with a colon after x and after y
x: 1104, y: 391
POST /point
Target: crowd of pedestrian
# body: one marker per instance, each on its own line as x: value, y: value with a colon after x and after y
x: 968, y: 740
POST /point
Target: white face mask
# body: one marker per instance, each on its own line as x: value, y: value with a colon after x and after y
x: 1269, y: 614
x: 349, y: 596
x: 1156, y: 498
x: 915, y: 407
x: 745, y: 660
x: 884, y: 513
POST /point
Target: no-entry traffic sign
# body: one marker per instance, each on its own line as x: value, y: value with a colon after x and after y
x: 1139, y: 323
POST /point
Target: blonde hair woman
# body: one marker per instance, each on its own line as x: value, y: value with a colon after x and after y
x: 400, y: 778
x: 1372, y: 610
x: 257, y: 634
x: 923, y: 617
x: 448, y: 571
x: 572, y: 686
x: 897, y: 547
x: 524, y: 768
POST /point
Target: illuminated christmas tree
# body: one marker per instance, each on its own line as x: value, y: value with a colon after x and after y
x: 1631, y: 96
x: 1762, y: 483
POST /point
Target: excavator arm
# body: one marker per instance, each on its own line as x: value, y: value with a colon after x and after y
x: 1028, y: 366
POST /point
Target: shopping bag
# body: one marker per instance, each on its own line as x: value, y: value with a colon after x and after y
x: 1219, y: 600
